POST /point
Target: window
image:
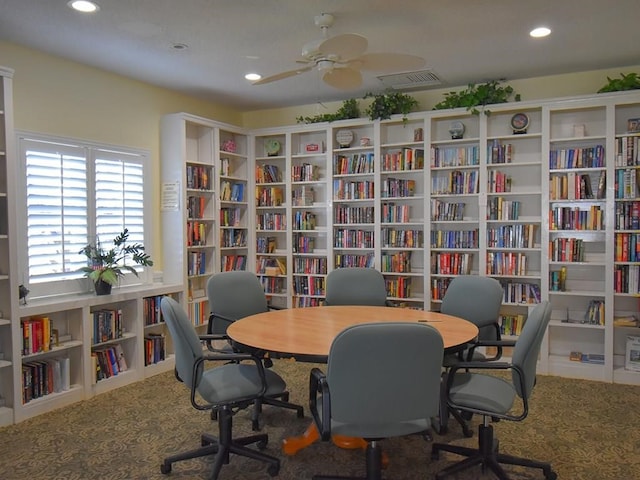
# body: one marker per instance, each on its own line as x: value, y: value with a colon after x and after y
x: 75, y: 193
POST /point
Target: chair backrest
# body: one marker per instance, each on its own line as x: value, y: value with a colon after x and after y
x: 186, y: 343
x: 527, y: 349
x: 385, y: 373
x: 234, y: 295
x: 355, y: 286
x: 476, y: 299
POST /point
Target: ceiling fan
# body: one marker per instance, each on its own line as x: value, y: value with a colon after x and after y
x: 341, y: 59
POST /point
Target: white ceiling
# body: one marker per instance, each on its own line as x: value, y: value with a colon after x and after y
x: 462, y: 41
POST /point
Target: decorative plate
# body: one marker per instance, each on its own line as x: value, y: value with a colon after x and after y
x: 519, y: 123
x: 344, y: 138
x: 456, y: 129
x: 272, y: 147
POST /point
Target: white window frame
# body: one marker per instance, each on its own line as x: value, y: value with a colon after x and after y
x: 75, y: 283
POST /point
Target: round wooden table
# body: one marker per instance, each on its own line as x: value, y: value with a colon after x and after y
x: 307, y: 333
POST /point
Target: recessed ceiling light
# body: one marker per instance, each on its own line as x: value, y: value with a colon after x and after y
x: 253, y: 76
x: 540, y: 32
x: 179, y: 46
x: 83, y: 6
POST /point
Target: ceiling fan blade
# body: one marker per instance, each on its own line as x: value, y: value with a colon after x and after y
x: 346, y: 46
x: 343, y: 78
x: 388, y: 62
x: 280, y: 76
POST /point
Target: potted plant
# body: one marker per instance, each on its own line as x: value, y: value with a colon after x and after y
x: 629, y: 81
x: 475, y: 96
x: 389, y: 103
x: 349, y: 109
x: 107, y: 266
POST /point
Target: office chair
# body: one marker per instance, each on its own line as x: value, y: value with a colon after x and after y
x: 227, y: 388
x: 494, y: 397
x: 355, y: 286
x: 478, y: 300
x: 373, y: 396
x: 232, y: 296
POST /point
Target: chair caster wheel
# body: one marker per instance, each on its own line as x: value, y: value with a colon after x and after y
x: 262, y: 444
x: 551, y: 475
x: 467, y: 432
x: 273, y: 470
x: 165, y: 468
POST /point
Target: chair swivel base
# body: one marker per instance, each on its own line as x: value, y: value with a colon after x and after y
x: 223, y: 446
x: 278, y: 400
x: 375, y: 464
x: 487, y: 456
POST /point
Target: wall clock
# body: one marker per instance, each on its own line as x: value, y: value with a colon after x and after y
x: 519, y: 123
x: 344, y: 138
x: 272, y: 147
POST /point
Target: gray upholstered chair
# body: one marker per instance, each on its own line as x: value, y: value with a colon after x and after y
x: 231, y: 386
x: 232, y: 296
x: 494, y: 397
x: 478, y: 300
x: 355, y: 286
x: 373, y: 396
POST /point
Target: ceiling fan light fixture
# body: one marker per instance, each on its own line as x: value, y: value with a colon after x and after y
x: 540, y: 32
x: 253, y: 76
x: 83, y: 6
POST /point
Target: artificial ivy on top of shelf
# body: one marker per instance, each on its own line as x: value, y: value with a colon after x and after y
x: 349, y: 109
x: 630, y: 81
x: 475, y: 96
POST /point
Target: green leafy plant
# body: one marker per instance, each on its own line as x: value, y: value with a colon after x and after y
x: 349, y: 109
x: 475, y: 96
x: 108, y: 265
x: 389, y: 103
x: 630, y: 81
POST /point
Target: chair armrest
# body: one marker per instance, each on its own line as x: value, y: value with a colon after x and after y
x: 227, y: 358
x: 490, y: 343
x: 484, y: 365
x: 318, y: 387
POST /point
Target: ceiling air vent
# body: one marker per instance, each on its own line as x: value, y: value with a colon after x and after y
x: 418, y: 79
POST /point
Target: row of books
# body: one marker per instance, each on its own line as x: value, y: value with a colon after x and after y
x: 196, y: 233
x: 345, y: 214
x: 196, y: 206
x: 198, y: 312
x: 199, y: 177
x: 302, y: 196
x: 271, y: 221
x: 393, y: 213
x: 356, y: 163
x: 439, y: 287
x: 587, y: 157
x: 499, y: 153
x: 626, y: 183
x: 269, y: 196
x: 306, y: 265
x: 233, y: 237
x: 399, y: 262
x: 151, y: 310
x: 268, y: 174
x: 394, y: 187
x: 233, y: 262
x: 401, y: 238
x: 627, y: 247
x: 309, y: 286
x: 573, y: 218
x: 627, y: 215
x: 304, y: 220
x: 349, y: 238
x: 197, y: 263
x: 266, y: 244
x: 353, y: 190
x: 595, y: 313
x: 306, y: 172
x: 398, y: 287
x: 36, y: 335
x: 304, y: 302
x: 45, y: 377
x: 511, y: 324
x: 402, y: 160
x: 498, y: 182
x: 303, y: 243
x: 456, y: 182
x: 107, y: 325
x: 232, y: 192
x: 108, y: 362
x: 154, y: 348
x: 273, y: 284
x: 517, y: 292
x: 231, y: 217
x: 576, y: 186
x: 277, y: 265
x: 455, y: 156
x: 627, y: 150
x: 512, y: 236
x: 451, y: 263
x: 446, y: 211
x: 566, y: 249
x: 498, y: 208
x: 343, y: 260
x: 506, y: 263
x: 626, y: 279
x: 454, y: 238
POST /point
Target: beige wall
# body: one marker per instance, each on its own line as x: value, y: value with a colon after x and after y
x: 585, y: 83
x: 59, y: 97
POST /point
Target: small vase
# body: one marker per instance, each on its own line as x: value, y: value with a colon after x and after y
x: 102, y: 288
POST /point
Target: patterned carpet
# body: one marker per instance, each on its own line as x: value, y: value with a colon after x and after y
x: 587, y: 430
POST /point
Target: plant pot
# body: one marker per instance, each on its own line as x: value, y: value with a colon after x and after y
x: 102, y: 288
